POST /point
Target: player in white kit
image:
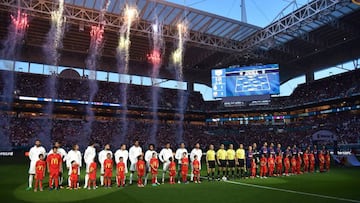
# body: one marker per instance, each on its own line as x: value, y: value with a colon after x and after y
x: 122, y: 152
x: 198, y: 152
x: 89, y: 156
x: 148, y: 156
x: 164, y: 156
x: 134, y: 152
x: 178, y: 156
x: 34, y: 153
x: 102, y: 156
x: 73, y: 155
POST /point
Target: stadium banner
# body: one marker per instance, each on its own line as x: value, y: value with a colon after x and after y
x: 324, y: 135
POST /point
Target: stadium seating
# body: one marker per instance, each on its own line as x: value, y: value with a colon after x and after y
x: 346, y: 126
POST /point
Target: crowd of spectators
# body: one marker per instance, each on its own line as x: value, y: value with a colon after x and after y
x: 26, y: 84
x: 23, y: 131
x: 35, y: 85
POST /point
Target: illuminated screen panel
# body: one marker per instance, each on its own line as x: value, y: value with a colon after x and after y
x: 246, y: 81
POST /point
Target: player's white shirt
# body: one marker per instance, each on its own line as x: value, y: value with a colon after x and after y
x: 34, y: 157
x: 148, y: 155
x: 35, y: 152
x: 134, y: 152
x: 89, y: 155
x: 165, y: 154
x: 121, y: 153
x: 124, y: 154
x: 102, y: 155
x: 197, y: 152
x: 179, y: 153
x: 60, y: 151
x: 73, y: 155
x: 194, y: 152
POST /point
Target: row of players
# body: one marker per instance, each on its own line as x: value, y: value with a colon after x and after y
x: 54, y: 165
x: 227, y: 160
x: 292, y: 161
x: 75, y: 156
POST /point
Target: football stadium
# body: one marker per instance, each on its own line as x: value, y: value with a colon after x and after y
x: 179, y: 101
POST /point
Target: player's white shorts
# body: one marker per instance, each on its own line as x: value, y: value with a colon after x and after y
x: 126, y: 170
x: 87, y: 167
x: 102, y: 169
x: 32, y: 167
x: 166, y: 166
x: 132, y: 166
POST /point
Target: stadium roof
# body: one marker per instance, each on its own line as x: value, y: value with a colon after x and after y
x: 170, y: 14
x: 305, y: 40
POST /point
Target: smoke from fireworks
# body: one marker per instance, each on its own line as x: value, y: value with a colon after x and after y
x: 51, y: 48
x: 96, y: 45
x: 123, y: 57
x: 155, y: 59
x: 16, y: 32
x: 177, y: 59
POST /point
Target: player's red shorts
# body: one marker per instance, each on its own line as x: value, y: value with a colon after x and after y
x: 122, y: 176
x: 153, y: 172
x: 92, y: 176
x: 141, y: 173
x: 184, y: 172
x: 54, y: 173
x: 172, y: 173
x: 39, y: 176
x: 196, y: 172
x: 108, y: 174
x: 74, y: 178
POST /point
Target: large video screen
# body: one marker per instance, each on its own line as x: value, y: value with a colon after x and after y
x: 246, y: 81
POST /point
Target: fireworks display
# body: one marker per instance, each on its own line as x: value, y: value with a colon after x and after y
x: 94, y: 54
x: 130, y: 15
x: 154, y: 57
x: 11, y: 46
x: 177, y: 59
x: 20, y: 22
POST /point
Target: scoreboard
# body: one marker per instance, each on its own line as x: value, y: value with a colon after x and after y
x: 246, y: 81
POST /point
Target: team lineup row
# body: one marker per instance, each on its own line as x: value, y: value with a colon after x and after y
x: 240, y: 163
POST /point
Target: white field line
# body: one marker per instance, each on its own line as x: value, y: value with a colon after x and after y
x: 295, y: 192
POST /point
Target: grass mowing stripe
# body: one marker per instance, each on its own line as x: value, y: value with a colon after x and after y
x: 293, y: 191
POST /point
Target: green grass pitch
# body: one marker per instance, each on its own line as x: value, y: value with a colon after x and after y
x: 338, y: 185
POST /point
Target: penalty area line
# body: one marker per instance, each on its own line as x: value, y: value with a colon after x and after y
x: 294, y: 192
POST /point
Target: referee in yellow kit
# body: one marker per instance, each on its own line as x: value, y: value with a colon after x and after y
x: 240, y: 161
x: 230, y: 156
x: 221, y: 161
x: 210, y: 162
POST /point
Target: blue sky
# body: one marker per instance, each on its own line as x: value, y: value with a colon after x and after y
x: 260, y: 13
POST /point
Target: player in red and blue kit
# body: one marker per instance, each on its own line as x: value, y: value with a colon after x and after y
x: 264, y: 149
x: 249, y: 159
x: 279, y: 164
